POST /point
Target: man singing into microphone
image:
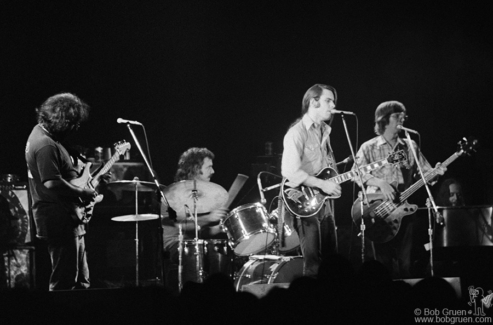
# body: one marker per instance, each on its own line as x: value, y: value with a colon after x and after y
x: 306, y: 152
x: 392, y: 179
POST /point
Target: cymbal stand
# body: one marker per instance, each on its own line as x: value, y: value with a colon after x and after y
x: 439, y: 218
x: 364, y: 200
x: 198, y: 266
x: 159, y: 194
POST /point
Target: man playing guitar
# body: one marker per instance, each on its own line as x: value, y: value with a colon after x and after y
x: 306, y: 152
x: 50, y: 171
x: 391, y: 180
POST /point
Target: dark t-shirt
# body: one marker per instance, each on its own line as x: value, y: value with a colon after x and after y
x: 47, y: 159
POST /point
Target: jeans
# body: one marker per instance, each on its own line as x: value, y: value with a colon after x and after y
x: 318, y: 239
x: 69, y: 269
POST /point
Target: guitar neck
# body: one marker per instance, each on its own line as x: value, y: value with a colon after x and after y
x: 352, y: 173
x: 433, y: 173
x: 105, y: 168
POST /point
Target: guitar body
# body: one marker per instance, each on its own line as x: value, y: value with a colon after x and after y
x: 383, y: 217
x: 305, y: 201
x: 381, y: 226
x: 83, y: 210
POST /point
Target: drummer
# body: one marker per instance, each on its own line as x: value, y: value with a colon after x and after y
x: 194, y: 164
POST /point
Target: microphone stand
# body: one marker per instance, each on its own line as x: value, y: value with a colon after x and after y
x: 438, y: 216
x: 160, y: 195
x: 364, y: 200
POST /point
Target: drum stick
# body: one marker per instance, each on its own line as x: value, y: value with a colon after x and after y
x: 235, y: 188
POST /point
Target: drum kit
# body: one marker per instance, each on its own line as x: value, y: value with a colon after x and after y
x: 251, y: 232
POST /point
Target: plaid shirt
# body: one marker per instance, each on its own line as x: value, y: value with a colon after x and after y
x: 377, y: 149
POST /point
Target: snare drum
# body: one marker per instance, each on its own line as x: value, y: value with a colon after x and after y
x: 248, y: 229
x: 266, y: 269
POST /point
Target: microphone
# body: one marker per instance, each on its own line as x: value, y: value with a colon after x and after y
x: 120, y: 120
x: 400, y: 127
x: 334, y: 111
x: 262, y: 197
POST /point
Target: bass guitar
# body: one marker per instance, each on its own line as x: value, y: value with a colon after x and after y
x: 305, y: 201
x: 383, y: 217
x: 83, y: 210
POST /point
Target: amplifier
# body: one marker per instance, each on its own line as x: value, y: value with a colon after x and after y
x: 17, y: 268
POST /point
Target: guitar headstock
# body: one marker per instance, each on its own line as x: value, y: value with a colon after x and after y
x: 466, y: 146
x: 122, y: 147
x: 397, y: 157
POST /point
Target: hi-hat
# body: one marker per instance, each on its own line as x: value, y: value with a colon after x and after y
x: 142, y: 186
x: 210, y: 196
x: 133, y: 217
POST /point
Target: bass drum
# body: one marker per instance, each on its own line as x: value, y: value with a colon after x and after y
x: 267, y: 269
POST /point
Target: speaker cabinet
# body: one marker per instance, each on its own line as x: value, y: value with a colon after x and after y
x: 17, y: 268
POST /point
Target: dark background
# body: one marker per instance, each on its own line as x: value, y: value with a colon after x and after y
x: 230, y: 76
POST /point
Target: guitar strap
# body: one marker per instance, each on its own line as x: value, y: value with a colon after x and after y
x: 74, y: 152
x: 407, y: 171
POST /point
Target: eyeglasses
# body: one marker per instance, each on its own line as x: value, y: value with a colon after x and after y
x: 399, y: 116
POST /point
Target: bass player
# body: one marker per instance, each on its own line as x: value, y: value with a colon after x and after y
x: 390, y: 180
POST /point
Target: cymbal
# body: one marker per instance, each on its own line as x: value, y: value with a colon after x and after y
x: 133, y: 217
x: 142, y: 186
x: 210, y: 196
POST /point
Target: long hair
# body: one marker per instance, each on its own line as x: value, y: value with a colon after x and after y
x: 191, y: 162
x: 62, y: 111
x: 315, y: 92
x: 383, y: 112
x: 443, y: 195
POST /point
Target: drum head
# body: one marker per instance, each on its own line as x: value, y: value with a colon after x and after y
x: 255, y: 243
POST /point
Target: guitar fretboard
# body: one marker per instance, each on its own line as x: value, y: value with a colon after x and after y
x: 413, y: 188
x: 106, y: 166
x: 365, y: 170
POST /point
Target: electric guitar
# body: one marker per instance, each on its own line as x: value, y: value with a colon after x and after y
x: 305, y: 201
x: 383, y: 217
x: 84, y: 209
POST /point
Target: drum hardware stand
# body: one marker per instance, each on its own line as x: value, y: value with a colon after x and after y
x: 364, y: 199
x: 136, y: 233
x: 180, y: 258
x: 198, y: 266
x: 159, y: 194
x: 438, y: 216
x: 280, y: 207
